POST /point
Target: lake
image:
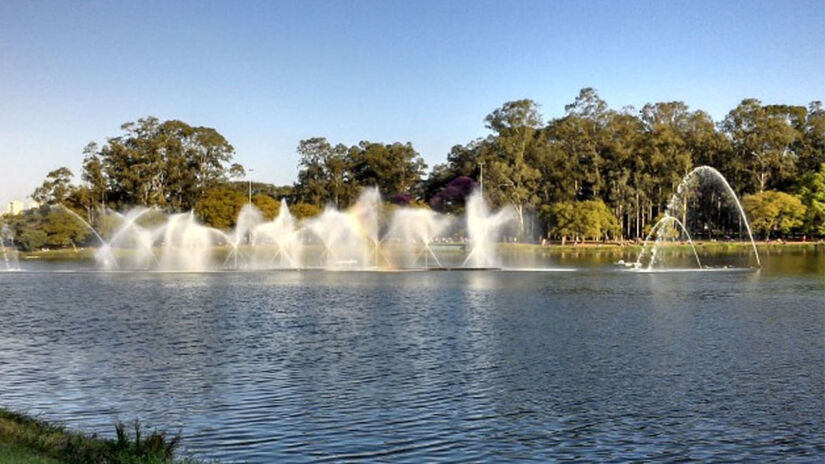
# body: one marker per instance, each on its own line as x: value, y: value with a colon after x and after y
x: 588, y: 361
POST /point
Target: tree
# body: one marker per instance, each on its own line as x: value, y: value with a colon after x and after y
x: 811, y: 191
x: 31, y: 239
x: 763, y: 138
x: 56, y: 187
x: 811, y: 147
x: 588, y: 115
x: 453, y: 196
x: 624, y: 168
x: 219, y: 207
x: 562, y: 175
x: 304, y: 210
x: 512, y: 177
x: 561, y: 219
x: 64, y: 229
x: 269, y: 206
x: 93, y: 173
x: 168, y: 164
x: 580, y: 220
x: 393, y: 168
x: 82, y: 200
x: 325, y: 173
x: 773, y: 211
x: 597, y: 221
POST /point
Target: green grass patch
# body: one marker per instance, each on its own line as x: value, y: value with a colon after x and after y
x: 26, y: 439
x: 17, y: 454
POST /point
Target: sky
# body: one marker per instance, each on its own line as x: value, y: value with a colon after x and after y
x: 269, y: 74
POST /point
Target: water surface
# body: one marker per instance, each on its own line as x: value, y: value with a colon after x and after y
x: 494, y: 366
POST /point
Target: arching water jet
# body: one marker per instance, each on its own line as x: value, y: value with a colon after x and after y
x: 679, y: 207
x: 658, y: 231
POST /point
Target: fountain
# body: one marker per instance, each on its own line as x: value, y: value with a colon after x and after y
x: 661, y: 232
x: 248, y: 219
x: 277, y: 244
x: 671, y: 228
x: 9, y: 251
x: 414, y: 229
x: 351, y: 239
x: 138, y: 240
x: 188, y: 245
x: 483, y: 230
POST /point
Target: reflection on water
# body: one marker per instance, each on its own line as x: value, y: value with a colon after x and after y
x: 431, y: 366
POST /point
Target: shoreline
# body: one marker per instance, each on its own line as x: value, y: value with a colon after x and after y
x: 27, y: 439
x: 85, y: 254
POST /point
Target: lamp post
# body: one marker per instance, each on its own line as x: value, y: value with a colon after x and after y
x: 249, y: 171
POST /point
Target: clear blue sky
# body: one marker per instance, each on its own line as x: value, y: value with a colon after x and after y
x: 268, y: 74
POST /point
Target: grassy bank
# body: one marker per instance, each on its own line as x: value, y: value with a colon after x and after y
x: 24, y: 439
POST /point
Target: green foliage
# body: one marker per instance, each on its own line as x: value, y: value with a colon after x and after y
x: 157, y: 447
x: 393, y: 168
x: 631, y: 161
x: 772, y: 211
x: 16, y: 454
x: 55, y: 188
x: 334, y: 174
x: 219, y: 206
x: 166, y: 163
x: 304, y: 210
x: 763, y: 138
x: 589, y: 219
x: 506, y: 156
x: 64, y: 229
x: 325, y: 173
x: 811, y: 190
x: 31, y: 239
x: 269, y: 206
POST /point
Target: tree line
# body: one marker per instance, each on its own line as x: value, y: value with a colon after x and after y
x: 594, y: 173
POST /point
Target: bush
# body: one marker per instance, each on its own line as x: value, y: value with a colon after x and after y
x: 31, y: 239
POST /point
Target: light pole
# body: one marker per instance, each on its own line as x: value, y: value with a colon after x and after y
x: 249, y: 171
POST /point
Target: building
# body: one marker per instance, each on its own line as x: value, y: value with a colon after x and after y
x: 15, y: 207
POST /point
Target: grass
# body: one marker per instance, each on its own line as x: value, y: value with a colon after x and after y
x: 17, y: 454
x: 24, y: 439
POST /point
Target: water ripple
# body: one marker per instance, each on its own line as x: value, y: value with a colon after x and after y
x: 428, y: 367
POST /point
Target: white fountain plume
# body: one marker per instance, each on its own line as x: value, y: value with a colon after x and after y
x: 188, y: 245
x: 248, y: 219
x: 483, y: 229
x: 7, y: 245
x: 350, y: 238
x: 340, y: 234
x: 414, y: 230
x: 130, y: 235
x: 365, y: 212
x: 277, y: 244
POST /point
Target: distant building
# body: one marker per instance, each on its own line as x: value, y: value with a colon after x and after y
x: 15, y: 207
